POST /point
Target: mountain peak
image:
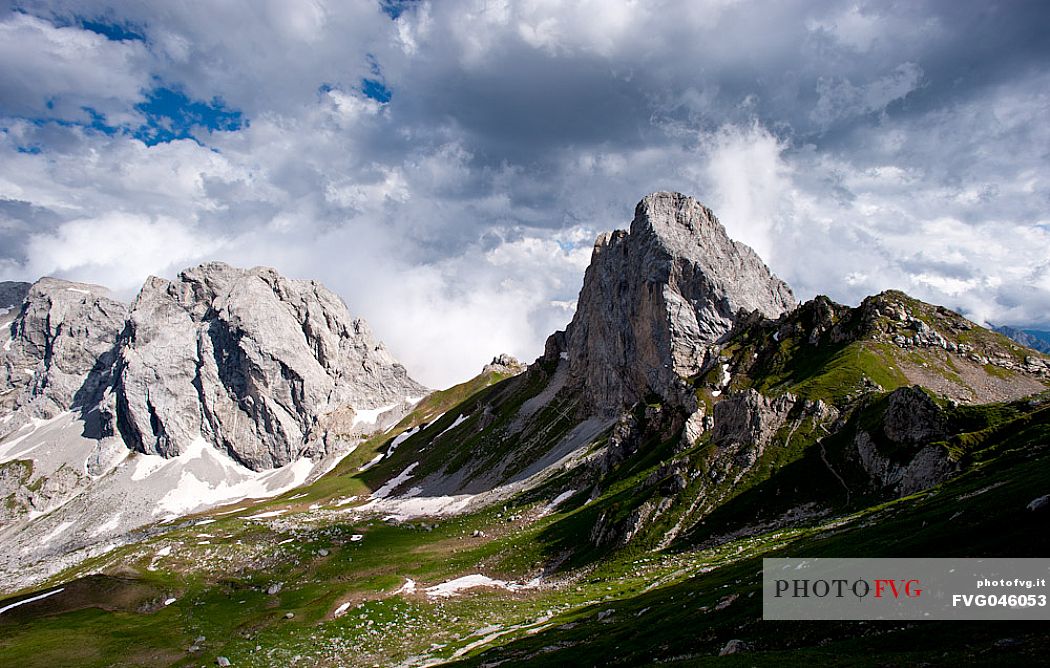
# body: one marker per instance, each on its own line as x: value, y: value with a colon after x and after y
x: 655, y: 299
x: 268, y: 369
x: 675, y: 217
x: 59, y: 333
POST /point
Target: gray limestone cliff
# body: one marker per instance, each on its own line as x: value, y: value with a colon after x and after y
x: 265, y: 368
x: 656, y: 299
x: 58, y: 349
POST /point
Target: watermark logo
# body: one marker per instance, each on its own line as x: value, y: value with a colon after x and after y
x: 847, y: 589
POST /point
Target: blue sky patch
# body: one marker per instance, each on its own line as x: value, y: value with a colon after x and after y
x: 116, y: 32
x: 376, y: 90
x: 171, y: 115
x: 98, y: 122
x: 395, y: 8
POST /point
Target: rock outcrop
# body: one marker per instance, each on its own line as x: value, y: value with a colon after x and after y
x: 655, y: 300
x: 59, y: 349
x: 505, y: 365
x: 265, y: 368
x: 911, y: 426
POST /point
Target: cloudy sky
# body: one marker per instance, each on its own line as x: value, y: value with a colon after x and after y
x: 445, y: 166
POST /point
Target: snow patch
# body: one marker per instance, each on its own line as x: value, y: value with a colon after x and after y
x: 453, y: 587
x: 169, y: 601
x: 8, y: 451
x: 30, y: 600
x: 392, y: 484
x: 370, y: 415
x: 341, y: 610
x: 207, y: 477
x: 557, y: 501
x: 404, y: 508
x: 726, y: 376
x: 108, y: 525
x: 408, y: 588
x: 372, y: 463
x: 145, y: 465
x: 401, y: 438
x: 459, y: 420
x: 356, y: 538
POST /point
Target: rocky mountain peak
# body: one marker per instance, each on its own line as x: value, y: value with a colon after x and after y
x: 58, y: 347
x: 683, y: 238
x: 656, y: 298
x: 264, y: 367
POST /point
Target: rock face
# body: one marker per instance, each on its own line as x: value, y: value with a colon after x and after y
x: 657, y: 298
x: 265, y: 368
x: 60, y: 347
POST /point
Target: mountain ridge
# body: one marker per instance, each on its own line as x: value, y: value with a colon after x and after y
x: 1034, y: 339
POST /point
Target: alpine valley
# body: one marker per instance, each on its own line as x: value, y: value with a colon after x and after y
x: 231, y: 470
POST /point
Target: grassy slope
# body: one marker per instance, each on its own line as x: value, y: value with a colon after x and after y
x: 853, y: 350
x: 982, y: 513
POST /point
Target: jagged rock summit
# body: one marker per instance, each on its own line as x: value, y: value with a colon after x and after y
x: 59, y: 346
x: 655, y: 300
x: 266, y: 368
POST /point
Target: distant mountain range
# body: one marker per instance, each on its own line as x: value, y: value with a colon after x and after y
x: 232, y: 471
x: 1032, y: 338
